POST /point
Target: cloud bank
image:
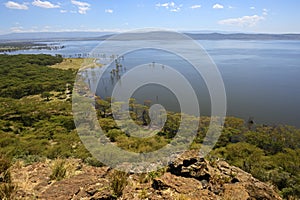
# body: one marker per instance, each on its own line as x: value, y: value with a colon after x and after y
x: 44, y: 4
x: 14, y: 5
x: 244, y: 21
x: 83, y: 7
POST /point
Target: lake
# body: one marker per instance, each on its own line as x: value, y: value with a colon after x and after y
x: 261, y: 78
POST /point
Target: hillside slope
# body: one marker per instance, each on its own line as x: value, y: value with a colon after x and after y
x: 189, y: 177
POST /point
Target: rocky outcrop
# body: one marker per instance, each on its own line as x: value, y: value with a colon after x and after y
x: 189, y: 177
x: 197, y: 178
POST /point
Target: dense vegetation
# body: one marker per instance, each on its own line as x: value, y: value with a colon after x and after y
x: 23, y: 75
x: 36, y: 122
x: 271, y: 154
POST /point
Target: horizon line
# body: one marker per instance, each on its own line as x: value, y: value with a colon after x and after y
x: 129, y: 30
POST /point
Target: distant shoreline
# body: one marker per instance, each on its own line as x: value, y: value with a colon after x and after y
x: 42, y: 37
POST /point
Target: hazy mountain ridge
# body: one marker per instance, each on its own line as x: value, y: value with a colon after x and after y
x: 244, y: 36
x: 50, y: 36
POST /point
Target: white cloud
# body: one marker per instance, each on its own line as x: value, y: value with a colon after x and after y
x: 171, y: 6
x: 80, y: 3
x: 109, y: 11
x: 63, y: 11
x: 231, y: 7
x: 265, y: 12
x: 242, y: 21
x: 218, y: 6
x: 46, y: 28
x: 252, y: 8
x: 82, y: 10
x: 166, y: 5
x: 175, y: 9
x: 44, y: 4
x: 16, y: 29
x: 14, y: 5
x: 83, y: 7
x: 195, y: 6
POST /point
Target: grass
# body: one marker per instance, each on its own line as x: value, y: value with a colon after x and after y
x: 65, y: 168
x: 7, y: 188
x: 7, y: 191
x: 59, y: 170
x: 118, y: 182
x: 76, y: 63
x: 69, y: 63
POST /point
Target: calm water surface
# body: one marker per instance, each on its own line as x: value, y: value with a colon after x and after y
x: 262, y: 78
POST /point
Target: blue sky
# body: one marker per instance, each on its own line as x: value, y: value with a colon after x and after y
x: 264, y: 16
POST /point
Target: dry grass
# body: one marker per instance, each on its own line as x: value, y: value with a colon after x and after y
x: 76, y: 63
x: 28, y: 178
x: 55, y: 96
x: 59, y: 170
x: 7, y: 188
x: 69, y: 63
x: 64, y: 168
x: 118, y: 182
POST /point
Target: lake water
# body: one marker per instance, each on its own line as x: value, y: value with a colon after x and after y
x: 261, y: 78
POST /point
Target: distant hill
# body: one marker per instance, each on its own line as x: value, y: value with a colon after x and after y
x: 50, y: 36
x: 243, y: 36
x: 42, y: 36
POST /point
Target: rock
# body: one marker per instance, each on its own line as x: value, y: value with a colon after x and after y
x: 188, y: 177
x: 177, y: 183
x: 89, y: 184
x: 219, y: 178
x: 235, y: 192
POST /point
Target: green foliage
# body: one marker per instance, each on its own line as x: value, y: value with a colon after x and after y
x: 245, y: 156
x: 32, y: 127
x: 113, y: 134
x: 23, y: 75
x: 281, y: 169
x: 274, y: 139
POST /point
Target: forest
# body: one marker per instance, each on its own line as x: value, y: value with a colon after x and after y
x: 36, y: 123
